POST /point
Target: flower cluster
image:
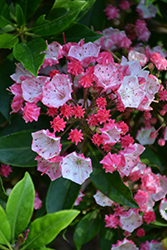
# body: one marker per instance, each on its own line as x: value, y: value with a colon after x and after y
x: 91, y: 101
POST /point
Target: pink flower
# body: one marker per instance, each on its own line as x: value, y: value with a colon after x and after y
x: 103, y: 115
x: 126, y: 140
x: 76, y: 168
x: 111, y: 221
x: 101, y: 102
x: 58, y: 124
x: 45, y: 144
x: 97, y: 139
x: 131, y: 221
x: 57, y: 91
x: 110, y: 131
x: 32, y: 88
x: 112, y: 162
x: 75, y: 136
x: 51, y: 167
x: 124, y: 5
x: 78, y: 111
x: 92, y: 120
x: 111, y: 12
x: 66, y: 111
x: 53, y: 54
x: 37, y: 201
x: 52, y: 112
x: 75, y: 68
x: 31, y: 112
x: 144, y: 136
x: 152, y: 245
x: 163, y: 208
x: 163, y: 95
x: 143, y: 33
x: 149, y: 216
x: 124, y: 244
x: 85, y: 53
x: 102, y: 200
x: 79, y: 198
x: 140, y: 232
x: 5, y: 170
x: 86, y: 80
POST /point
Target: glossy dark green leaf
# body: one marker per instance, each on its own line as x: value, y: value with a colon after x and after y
x: 86, y: 8
x: 95, y: 18
x: 15, y: 149
x: 19, y: 15
x: 29, y: 54
x: 28, y: 6
x: 43, y: 230
x: 17, y: 124
x: 78, y: 32
x: 5, y: 232
x: 150, y: 158
x: 3, y: 195
x: 20, y: 205
x: 86, y: 229
x: 111, y: 185
x: 8, y: 41
x: 7, y: 68
x: 61, y: 194
x: 47, y: 28
x: 4, y: 14
x: 107, y: 237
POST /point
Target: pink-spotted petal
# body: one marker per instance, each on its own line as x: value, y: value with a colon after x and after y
x: 45, y: 144
x: 76, y: 167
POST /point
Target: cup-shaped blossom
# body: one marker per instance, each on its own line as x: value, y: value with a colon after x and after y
x: 57, y: 92
x: 124, y: 244
x: 46, y: 144
x: 53, y: 53
x: 112, y: 162
x: 130, y: 221
x: 32, y: 88
x: 86, y: 53
x: 49, y: 167
x: 163, y: 208
x: 76, y: 168
x: 31, y: 112
x: 102, y: 199
x: 144, y: 136
x: 108, y: 76
x: 110, y: 133
x: 131, y: 92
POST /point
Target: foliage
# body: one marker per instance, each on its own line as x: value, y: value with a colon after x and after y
x: 83, y: 100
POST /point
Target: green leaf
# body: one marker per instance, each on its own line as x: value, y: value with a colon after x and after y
x: 107, y: 237
x: 3, y: 195
x: 4, y: 228
x: 148, y: 2
x: 95, y: 17
x: 7, y: 67
x: 111, y: 185
x: 4, y: 14
x: 150, y: 158
x: 7, y: 41
x: 19, y: 15
x: 47, y: 28
x: 43, y: 230
x: 78, y: 32
x: 29, y: 54
x: 20, y: 205
x: 29, y: 7
x: 61, y: 194
x: 15, y: 149
x: 86, y: 229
